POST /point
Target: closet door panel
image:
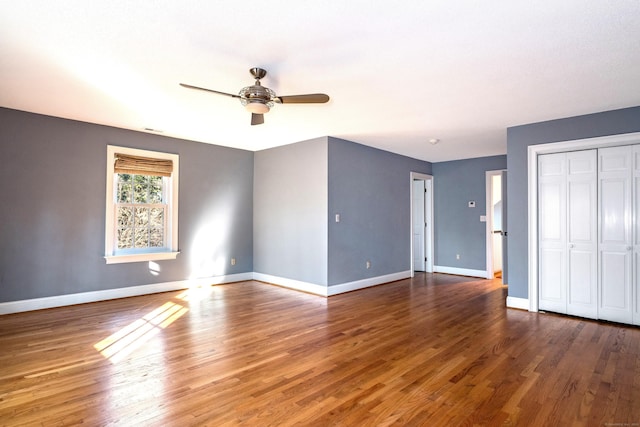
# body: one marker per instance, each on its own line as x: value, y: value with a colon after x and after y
x: 614, y: 298
x: 552, y: 201
x: 615, y: 210
x: 582, y: 282
x: 552, y: 280
x: 553, y: 213
x: 615, y: 234
x: 582, y: 209
x: 635, y: 290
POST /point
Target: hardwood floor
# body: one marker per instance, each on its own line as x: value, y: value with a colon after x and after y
x: 434, y: 350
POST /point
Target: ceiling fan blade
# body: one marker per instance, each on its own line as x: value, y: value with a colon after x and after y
x: 209, y: 90
x: 311, y: 98
x: 257, y: 119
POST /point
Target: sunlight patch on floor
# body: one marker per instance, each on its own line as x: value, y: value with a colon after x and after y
x: 122, y: 343
x: 196, y: 293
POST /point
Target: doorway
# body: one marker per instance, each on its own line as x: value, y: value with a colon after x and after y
x: 496, y: 220
x: 421, y: 223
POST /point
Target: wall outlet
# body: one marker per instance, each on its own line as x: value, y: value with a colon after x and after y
x: 368, y: 265
x: 457, y: 256
x: 233, y: 261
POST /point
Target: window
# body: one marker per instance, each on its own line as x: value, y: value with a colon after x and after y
x: 142, y: 205
x: 140, y: 210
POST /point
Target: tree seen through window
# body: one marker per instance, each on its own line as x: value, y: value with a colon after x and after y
x: 140, y: 211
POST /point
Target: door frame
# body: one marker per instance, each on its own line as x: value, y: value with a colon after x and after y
x: 428, y: 179
x: 532, y: 161
x: 489, y: 219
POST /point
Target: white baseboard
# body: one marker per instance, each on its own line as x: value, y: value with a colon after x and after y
x: 325, y: 291
x: 107, y: 294
x: 366, y: 283
x: 459, y: 271
x: 520, y: 303
x: 298, y: 285
x: 131, y: 291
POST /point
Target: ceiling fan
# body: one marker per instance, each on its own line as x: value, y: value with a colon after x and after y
x: 258, y: 99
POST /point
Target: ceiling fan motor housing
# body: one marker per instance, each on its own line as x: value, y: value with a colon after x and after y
x: 257, y: 98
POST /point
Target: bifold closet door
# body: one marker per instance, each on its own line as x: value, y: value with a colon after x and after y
x: 552, y: 230
x: 567, y: 198
x: 589, y: 233
x: 635, y: 288
x: 616, y: 226
x: 582, y: 233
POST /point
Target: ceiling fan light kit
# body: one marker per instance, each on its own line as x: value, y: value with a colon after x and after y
x: 258, y: 99
x: 256, y: 107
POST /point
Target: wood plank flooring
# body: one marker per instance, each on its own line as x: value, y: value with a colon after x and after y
x: 436, y: 350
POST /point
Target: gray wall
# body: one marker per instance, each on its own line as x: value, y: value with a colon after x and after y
x: 370, y: 189
x: 458, y: 229
x: 518, y: 139
x: 290, y: 211
x: 52, y: 209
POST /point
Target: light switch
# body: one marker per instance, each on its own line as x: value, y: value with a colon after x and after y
x: 337, y: 217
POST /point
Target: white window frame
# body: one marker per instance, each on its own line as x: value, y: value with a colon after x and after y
x: 170, y: 251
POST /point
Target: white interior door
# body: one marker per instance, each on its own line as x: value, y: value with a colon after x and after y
x: 582, y: 234
x: 635, y: 291
x: 615, y: 242
x: 552, y: 206
x: 505, y: 222
x: 428, y: 220
x: 419, y: 225
x: 568, y: 227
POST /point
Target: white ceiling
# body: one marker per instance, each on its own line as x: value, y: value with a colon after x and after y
x: 398, y: 73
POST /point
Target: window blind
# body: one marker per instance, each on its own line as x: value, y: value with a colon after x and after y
x: 137, y: 165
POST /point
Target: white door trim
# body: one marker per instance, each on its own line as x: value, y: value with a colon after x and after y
x: 428, y: 218
x: 532, y: 160
x: 489, y: 219
x: 419, y: 225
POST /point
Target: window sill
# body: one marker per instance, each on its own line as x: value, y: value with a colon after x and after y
x: 154, y: 256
